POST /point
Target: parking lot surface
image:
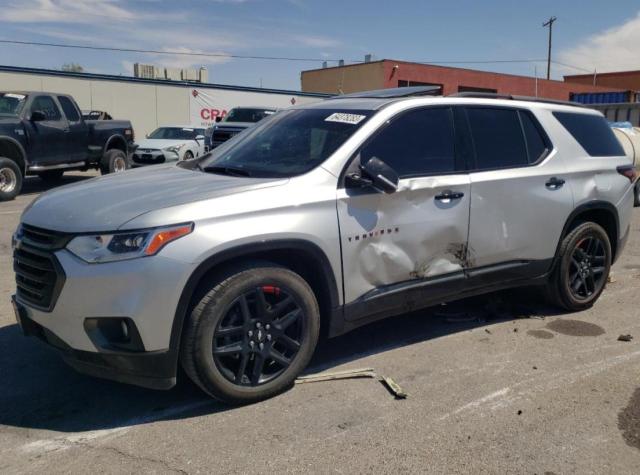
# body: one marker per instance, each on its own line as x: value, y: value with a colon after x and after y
x: 499, y: 384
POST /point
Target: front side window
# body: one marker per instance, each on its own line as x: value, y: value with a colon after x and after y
x: 592, y: 132
x: 69, y: 109
x: 286, y: 144
x: 497, y: 137
x: 418, y: 142
x: 11, y: 104
x: 47, y: 105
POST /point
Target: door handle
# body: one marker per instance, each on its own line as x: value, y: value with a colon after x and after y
x: 449, y: 195
x: 554, y: 183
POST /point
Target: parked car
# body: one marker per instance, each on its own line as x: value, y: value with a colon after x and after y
x: 96, y: 115
x: 44, y: 134
x: 629, y: 138
x: 237, y: 120
x: 320, y: 219
x: 169, y: 144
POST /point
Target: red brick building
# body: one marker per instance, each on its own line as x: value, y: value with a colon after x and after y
x: 629, y: 80
x: 388, y: 73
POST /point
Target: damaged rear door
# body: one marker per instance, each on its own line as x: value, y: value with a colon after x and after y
x: 391, y: 242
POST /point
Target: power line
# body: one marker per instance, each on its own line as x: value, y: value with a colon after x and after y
x: 266, y: 58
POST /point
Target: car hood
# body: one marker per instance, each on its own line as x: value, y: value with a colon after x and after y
x: 106, y: 203
x: 160, y: 144
x: 234, y: 125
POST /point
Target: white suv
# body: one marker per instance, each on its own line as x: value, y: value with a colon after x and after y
x: 320, y: 219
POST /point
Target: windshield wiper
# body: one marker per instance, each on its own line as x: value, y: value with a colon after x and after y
x: 232, y: 171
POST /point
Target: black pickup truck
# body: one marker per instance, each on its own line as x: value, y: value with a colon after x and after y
x: 44, y: 134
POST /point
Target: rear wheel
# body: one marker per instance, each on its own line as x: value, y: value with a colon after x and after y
x: 114, y: 161
x: 51, y: 176
x: 582, y: 268
x: 251, y: 334
x: 10, y: 179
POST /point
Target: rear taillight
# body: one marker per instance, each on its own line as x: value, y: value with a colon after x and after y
x: 629, y: 171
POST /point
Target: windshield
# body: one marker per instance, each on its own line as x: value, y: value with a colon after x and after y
x: 289, y: 143
x: 11, y: 104
x: 247, y: 115
x: 176, y: 133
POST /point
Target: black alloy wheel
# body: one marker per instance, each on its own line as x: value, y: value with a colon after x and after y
x: 260, y: 335
x: 587, y: 268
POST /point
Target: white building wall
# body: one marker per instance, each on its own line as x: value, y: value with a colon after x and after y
x: 146, y: 105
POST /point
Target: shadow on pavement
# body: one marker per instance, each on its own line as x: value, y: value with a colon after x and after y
x: 38, y: 391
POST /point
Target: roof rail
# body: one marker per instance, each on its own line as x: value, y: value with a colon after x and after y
x: 391, y: 93
x: 511, y: 97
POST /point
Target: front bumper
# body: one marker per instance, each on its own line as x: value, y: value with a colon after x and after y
x: 146, y: 157
x: 155, y: 369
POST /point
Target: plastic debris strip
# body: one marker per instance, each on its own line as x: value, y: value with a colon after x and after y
x: 393, y: 387
x: 625, y: 338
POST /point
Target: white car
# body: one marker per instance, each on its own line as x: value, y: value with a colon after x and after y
x: 169, y: 144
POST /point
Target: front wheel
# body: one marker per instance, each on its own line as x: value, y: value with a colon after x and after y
x: 114, y: 161
x: 582, y: 268
x: 10, y: 179
x: 188, y: 155
x: 636, y: 194
x: 251, y: 334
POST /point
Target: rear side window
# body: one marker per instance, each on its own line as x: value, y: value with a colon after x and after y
x: 537, y: 145
x: 418, y: 142
x: 592, y: 132
x: 69, y: 109
x: 497, y: 137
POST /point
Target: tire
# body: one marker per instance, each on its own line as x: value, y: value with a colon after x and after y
x: 10, y: 179
x: 51, y: 176
x: 114, y: 161
x: 251, y: 334
x: 636, y: 195
x: 188, y: 155
x: 576, y: 267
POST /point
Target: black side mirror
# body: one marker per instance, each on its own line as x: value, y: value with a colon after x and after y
x: 38, y: 116
x: 218, y: 118
x: 379, y: 175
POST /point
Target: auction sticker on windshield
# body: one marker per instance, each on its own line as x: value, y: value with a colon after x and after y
x: 345, y: 118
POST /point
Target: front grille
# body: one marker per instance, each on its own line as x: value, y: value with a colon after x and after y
x: 221, y: 136
x: 39, y: 276
x: 148, y: 158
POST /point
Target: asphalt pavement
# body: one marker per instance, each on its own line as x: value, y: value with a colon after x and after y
x: 497, y: 384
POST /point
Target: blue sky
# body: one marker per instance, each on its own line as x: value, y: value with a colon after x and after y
x: 588, y: 34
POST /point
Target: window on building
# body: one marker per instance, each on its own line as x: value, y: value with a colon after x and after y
x: 419, y: 142
x: 497, y: 137
x: 403, y: 83
x: 69, y: 109
x: 48, y: 106
x: 592, y: 132
x: 476, y: 89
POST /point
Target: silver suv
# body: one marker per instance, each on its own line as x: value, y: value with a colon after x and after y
x: 320, y: 219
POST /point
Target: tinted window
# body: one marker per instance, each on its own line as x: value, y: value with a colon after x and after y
x: 69, y: 109
x: 288, y: 143
x: 175, y: 133
x: 419, y: 142
x: 46, y: 105
x: 497, y: 137
x: 536, y: 143
x: 592, y: 132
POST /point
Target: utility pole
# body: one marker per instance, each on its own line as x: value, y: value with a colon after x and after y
x: 549, y: 23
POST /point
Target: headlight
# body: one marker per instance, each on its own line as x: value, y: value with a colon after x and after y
x: 175, y: 148
x: 97, y: 248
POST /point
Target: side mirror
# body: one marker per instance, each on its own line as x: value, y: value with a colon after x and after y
x: 382, y: 176
x: 218, y: 118
x: 199, y: 137
x: 38, y: 116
